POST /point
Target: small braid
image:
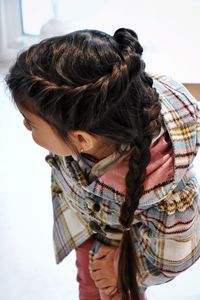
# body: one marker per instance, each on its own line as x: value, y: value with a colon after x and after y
x: 103, y: 89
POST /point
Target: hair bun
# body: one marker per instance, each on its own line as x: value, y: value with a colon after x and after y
x: 128, y: 38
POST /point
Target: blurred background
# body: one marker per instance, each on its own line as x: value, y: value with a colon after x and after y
x: 169, y: 32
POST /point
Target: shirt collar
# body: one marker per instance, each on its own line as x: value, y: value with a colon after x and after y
x: 94, y: 170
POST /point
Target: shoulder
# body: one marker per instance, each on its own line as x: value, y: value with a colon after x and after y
x: 166, y: 82
x: 177, y: 102
x: 173, y: 91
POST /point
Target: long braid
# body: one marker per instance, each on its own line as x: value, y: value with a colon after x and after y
x: 139, y: 159
x: 147, y: 124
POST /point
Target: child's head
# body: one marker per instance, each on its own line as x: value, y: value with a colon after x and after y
x: 89, y: 90
x: 80, y: 82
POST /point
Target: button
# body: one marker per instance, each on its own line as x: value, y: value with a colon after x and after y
x: 95, y: 226
x: 93, y: 206
x: 96, y: 207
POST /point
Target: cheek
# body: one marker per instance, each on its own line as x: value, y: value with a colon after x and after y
x: 49, y: 141
x: 39, y: 141
x: 46, y: 141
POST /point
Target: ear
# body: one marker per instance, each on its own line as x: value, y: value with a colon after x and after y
x: 83, y: 140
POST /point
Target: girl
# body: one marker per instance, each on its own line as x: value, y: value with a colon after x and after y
x: 121, y: 144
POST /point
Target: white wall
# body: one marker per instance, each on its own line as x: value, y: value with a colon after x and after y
x: 10, y: 29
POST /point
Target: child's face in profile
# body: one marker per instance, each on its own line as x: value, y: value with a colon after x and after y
x: 43, y: 134
x: 48, y: 137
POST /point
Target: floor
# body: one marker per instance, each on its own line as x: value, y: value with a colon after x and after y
x: 28, y: 268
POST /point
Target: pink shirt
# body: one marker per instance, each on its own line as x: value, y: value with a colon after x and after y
x: 160, y: 166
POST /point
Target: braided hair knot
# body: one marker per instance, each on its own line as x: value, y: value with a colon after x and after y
x: 128, y: 40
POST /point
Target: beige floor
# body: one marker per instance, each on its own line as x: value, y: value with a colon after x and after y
x: 28, y: 270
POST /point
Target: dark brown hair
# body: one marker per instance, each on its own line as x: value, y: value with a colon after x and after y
x: 95, y: 82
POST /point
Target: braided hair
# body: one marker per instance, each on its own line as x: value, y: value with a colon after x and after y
x: 95, y: 82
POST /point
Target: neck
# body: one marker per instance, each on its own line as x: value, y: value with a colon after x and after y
x: 101, y: 153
